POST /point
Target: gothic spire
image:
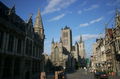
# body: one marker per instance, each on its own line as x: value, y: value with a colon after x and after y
x: 80, y: 38
x: 60, y: 40
x: 52, y: 40
x: 30, y: 18
x: 38, y: 21
x: 12, y: 10
x: 117, y: 13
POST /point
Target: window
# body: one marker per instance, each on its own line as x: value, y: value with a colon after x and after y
x: 27, y: 46
x: 10, y: 43
x: 119, y: 44
x: 1, y: 39
x: 30, y: 48
x: 65, y: 34
x: 19, y: 46
x: 65, y: 42
x: 56, y: 53
x: 34, y: 50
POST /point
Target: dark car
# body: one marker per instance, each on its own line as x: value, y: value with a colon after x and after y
x: 101, y: 75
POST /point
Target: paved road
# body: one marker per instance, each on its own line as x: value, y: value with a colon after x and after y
x: 80, y: 74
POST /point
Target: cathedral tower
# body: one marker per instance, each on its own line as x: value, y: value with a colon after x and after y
x: 66, y: 36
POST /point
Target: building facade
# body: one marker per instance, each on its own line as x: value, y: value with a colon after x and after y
x: 94, y: 57
x: 21, y: 45
x: 116, y: 34
x: 81, y: 48
x: 61, y: 51
x: 59, y: 56
x: 107, y: 48
x: 66, y: 36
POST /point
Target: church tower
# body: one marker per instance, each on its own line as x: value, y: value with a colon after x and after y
x: 66, y: 36
x: 38, y: 26
x: 81, y: 48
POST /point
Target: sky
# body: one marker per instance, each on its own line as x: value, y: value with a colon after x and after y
x: 85, y: 17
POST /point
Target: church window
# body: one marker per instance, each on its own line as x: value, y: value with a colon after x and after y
x: 56, y: 53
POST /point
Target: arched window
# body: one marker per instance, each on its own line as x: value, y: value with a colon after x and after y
x: 56, y: 51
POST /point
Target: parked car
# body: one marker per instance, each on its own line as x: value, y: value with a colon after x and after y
x: 101, y: 75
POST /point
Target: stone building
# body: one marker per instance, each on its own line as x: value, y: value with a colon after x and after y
x: 81, y: 48
x: 64, y: 54
x: 75, y: 51
x: 21, y: 45
x: 66, y: 37
x: 110, y: 45
x: 116, y: 34
x: 100, y: 54
x: 61, y: 51
x: 78, y: 53
x: 94, y: 57
x: 59, y: 55
x: 109, y: 50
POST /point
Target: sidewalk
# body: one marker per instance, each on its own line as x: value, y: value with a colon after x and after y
x: 114, y: 77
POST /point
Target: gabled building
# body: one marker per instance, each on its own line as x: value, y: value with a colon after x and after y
x: 116, y: 34
x: 111, y: 47
x: 21, y: 45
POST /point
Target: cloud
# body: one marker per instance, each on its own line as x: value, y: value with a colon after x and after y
x: 111, y: 12
x: 91, y: 22
x: 89, y: 36
x: 91, y: 7
x: 57, y: 17
x: 56, y: 5
x: 80, y: 11
x: 84, y: 25
x: 115, y: 3
x: 96, y: 20
x: 84, y: 3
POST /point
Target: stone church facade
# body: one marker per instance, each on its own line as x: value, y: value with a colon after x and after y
x: 78, y: 50
x: 60, y: 51
x: 63, y: 53
x: 21, y: 45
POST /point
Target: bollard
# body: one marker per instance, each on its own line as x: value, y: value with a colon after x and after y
x: 56, y: 74
x: 42, y: 75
